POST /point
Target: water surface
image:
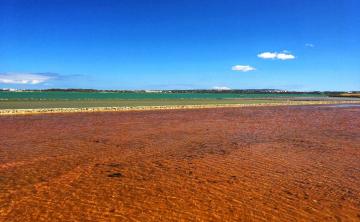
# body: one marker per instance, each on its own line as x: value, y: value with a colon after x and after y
x: 138, y: 95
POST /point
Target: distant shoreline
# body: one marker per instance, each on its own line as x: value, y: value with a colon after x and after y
x: 4, y: 112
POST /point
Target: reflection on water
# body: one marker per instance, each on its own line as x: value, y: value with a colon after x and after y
x: 343, y: 105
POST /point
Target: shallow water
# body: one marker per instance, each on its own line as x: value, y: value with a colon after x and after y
x: 343, y: 105
x: 138, y: 95
x: 250, y: 164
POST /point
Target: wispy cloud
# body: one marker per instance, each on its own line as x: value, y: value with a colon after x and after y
x: 285, y: 55
x: 26, y: 78
x: 243, y: 68
x: 310, y: 45
x: 221, y: 88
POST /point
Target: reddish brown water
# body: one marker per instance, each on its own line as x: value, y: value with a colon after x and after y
x: 243, y: 164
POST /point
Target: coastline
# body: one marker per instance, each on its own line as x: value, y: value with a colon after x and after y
x: 6, y: 112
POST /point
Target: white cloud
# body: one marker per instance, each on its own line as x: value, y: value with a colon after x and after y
x: 243, y: 68
x: 310, y: 45
x: 267, y: 55
x: 221, y: 88
x: 25, y: 78
x: 285, y: 55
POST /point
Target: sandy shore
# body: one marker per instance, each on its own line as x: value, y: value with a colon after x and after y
x: 166, y: 107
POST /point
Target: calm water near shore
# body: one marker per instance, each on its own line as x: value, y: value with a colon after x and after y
x: 343, y: 105
x: 137, y: 95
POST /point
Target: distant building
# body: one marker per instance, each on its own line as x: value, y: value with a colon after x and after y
x: 12, y: 90
x: 153, y: 91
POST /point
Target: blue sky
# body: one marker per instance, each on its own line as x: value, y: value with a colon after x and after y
x: 184, y: 44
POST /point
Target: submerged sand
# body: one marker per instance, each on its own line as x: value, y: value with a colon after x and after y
x: 285, y: 163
